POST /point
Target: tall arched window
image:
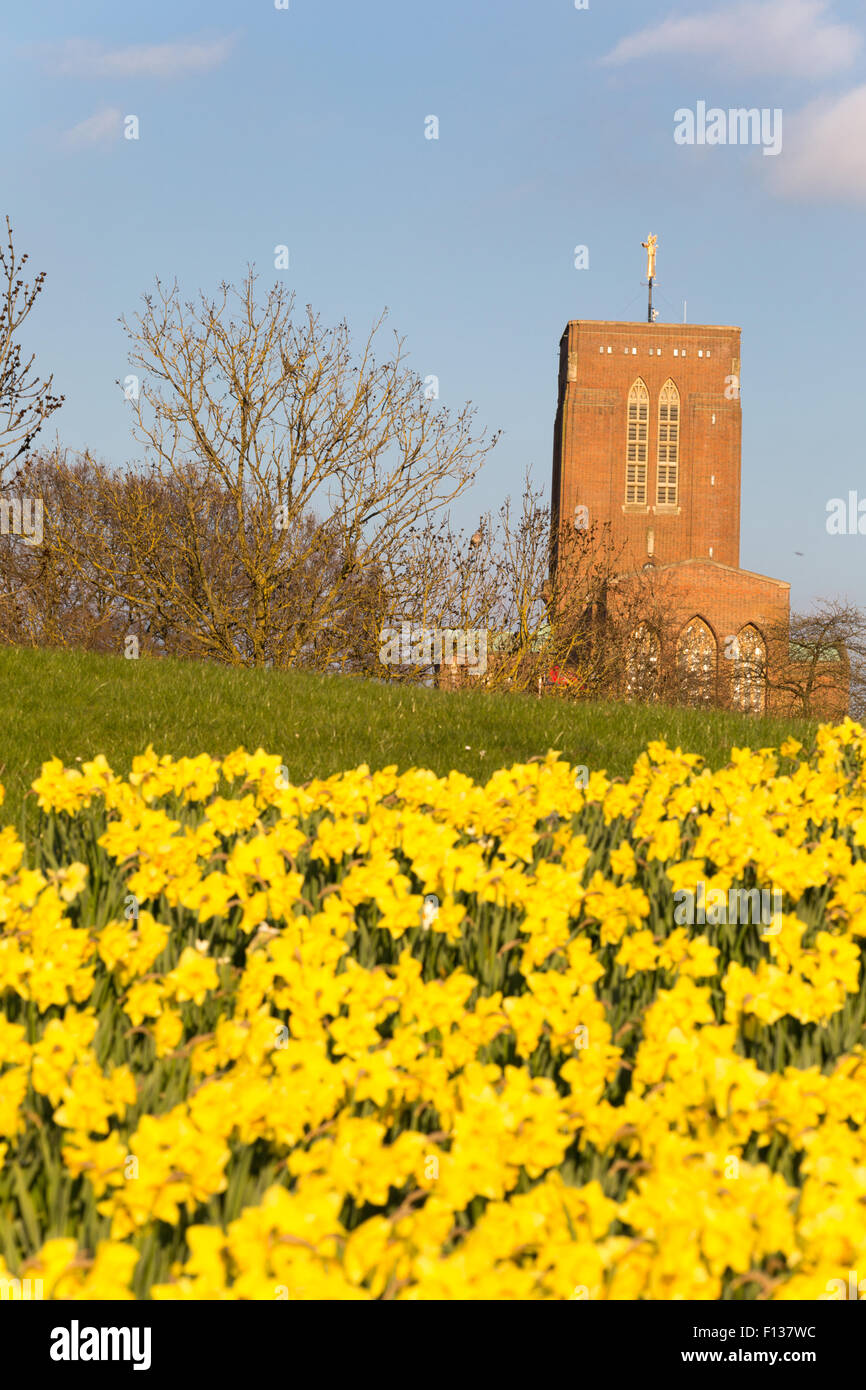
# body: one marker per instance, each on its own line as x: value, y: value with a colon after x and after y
x: 696, y: 663
x: 750, y: 661
x: 642, y: 664
x: 669, y: 445
x: 636, y: 446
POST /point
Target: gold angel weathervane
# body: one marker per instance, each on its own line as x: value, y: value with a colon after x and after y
x: 650, y: 247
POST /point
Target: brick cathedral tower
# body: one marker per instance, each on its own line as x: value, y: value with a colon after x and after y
x: 647, y: 438
x: 647, y: 447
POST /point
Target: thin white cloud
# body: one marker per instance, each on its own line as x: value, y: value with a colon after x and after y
x: 795, y: 37
x: 824, y: 155
x: 86, y: 58
x: 99, y: 129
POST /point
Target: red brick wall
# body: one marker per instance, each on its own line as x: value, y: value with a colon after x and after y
x: 589, y: 463
x: 726, y: 599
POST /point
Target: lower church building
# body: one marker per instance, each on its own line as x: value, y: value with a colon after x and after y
x: 647, y: 450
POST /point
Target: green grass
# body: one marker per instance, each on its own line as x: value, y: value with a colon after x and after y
x: 73, y: 705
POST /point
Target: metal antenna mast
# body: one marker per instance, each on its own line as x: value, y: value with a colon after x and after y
x: 650, y: 247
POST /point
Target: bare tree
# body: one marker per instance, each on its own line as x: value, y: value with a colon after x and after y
x: 256, y: 422
x: 44, y: 600
x: 25, y: 401
x: 540, y: 616
x: 815, y: 664
x: 98, y: 571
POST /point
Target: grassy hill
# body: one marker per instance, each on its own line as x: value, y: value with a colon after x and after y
x: 73, y: 705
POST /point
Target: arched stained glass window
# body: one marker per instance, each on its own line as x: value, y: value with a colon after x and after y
x: 750, y: 661
x: 696, y: 662
x: 642, y: 664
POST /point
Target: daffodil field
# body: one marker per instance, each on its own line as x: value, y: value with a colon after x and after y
x: 396, y: 1036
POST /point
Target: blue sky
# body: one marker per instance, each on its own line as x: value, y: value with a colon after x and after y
x: 306, y: 127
